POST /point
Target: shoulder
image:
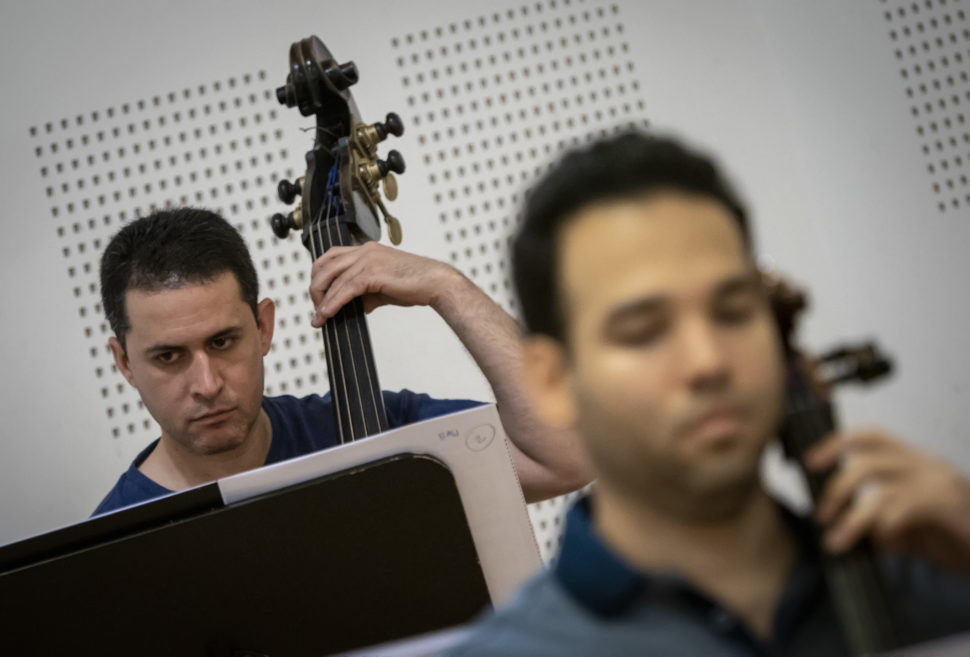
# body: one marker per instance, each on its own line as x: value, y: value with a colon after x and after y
x: 405, y: 406
x: 132, y: 486
x: 113, y: 500
x: 301, y: 425
x: 306, y: 424
x: 286, y: 404
x: 533, y: 624
x: 545, y: 620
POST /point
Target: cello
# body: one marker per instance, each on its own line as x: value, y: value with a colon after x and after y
x: 855, y: 583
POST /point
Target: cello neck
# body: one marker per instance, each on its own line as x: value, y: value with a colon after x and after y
x: 855, y: 583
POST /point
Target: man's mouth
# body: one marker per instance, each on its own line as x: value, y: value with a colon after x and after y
x: 210, y: 417
x: 717, y: 424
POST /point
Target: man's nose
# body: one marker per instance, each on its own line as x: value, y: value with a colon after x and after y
x: 703, y: 356
x: 206, y: 379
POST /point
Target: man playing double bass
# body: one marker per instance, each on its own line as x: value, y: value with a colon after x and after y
x: 181, y: 295
x: 650, y: 332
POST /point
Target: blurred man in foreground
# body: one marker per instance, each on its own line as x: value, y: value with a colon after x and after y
x: 649, y: 330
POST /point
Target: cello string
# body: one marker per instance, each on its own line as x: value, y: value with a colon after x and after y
x: 854, y: 574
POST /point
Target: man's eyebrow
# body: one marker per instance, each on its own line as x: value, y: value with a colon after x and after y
x: 223, y: 333
x: 740, y: 284
x: 648, y: 305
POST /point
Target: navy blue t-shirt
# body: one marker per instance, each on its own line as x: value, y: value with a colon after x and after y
x: 300, y: 426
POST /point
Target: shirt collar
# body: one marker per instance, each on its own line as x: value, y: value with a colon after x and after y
x: 607, y: 585
x: 594, y: 575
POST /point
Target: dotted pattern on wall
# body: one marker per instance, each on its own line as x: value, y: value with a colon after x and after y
x: 220, y: 145
x: 931, y: 40
x: 493, y: 100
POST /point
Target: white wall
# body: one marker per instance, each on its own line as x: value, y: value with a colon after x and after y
x: 804, y: 101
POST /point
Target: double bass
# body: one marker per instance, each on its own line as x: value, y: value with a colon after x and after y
x: 340, y: 196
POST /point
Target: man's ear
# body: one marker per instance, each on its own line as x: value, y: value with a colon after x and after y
x: 266, y: 322
x: 548, y: 380
x: 121, y: 359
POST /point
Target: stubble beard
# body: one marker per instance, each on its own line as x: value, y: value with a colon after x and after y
x: 696, y: 488
x: 221, y: 439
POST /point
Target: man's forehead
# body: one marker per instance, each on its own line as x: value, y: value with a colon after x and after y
x: 190, y: 307
x: 655, y: 245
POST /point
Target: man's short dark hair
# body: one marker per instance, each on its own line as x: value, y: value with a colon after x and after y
x: 169, y: 249
x: 626, y: 166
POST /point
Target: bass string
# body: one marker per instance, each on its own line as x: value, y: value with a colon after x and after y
x: 332, y: 349
x: 333, y: 331
x: 363, y: 347
x: 379, y: 411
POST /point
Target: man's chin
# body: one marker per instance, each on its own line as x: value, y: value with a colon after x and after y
x: 213, y: 445
x: 728, y: 486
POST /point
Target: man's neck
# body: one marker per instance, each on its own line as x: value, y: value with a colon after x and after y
x: 742, y: 560
x: 175, y: 469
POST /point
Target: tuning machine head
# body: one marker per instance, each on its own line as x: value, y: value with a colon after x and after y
x: 394, y: 162
x: 372, y: 175
x: 389, y: 187
x: 393, y: 125
x: 288, y: 191
x: 282, y: 224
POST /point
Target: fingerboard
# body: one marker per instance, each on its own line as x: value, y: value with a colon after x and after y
x: 357, y: 400
x: 854, y: 580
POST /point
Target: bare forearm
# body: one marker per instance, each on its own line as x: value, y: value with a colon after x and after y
x: 549, y: 461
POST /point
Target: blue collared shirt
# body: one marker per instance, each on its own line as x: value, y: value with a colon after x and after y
x: 592, y: 602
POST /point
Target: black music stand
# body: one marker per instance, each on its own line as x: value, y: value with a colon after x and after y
x: 367, y: 555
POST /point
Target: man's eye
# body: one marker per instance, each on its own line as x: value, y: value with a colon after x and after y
x: 638, y: 334
x: 736, y: 313
x: 165, y: 357
x: 222, y: 343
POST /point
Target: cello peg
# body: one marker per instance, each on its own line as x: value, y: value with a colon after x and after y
x: 287, y: 191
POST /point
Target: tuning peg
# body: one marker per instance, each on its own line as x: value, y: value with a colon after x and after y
x: 394, y: 162
x: 287, y: 191
x: 282, y: 224
x: 393, y: 125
